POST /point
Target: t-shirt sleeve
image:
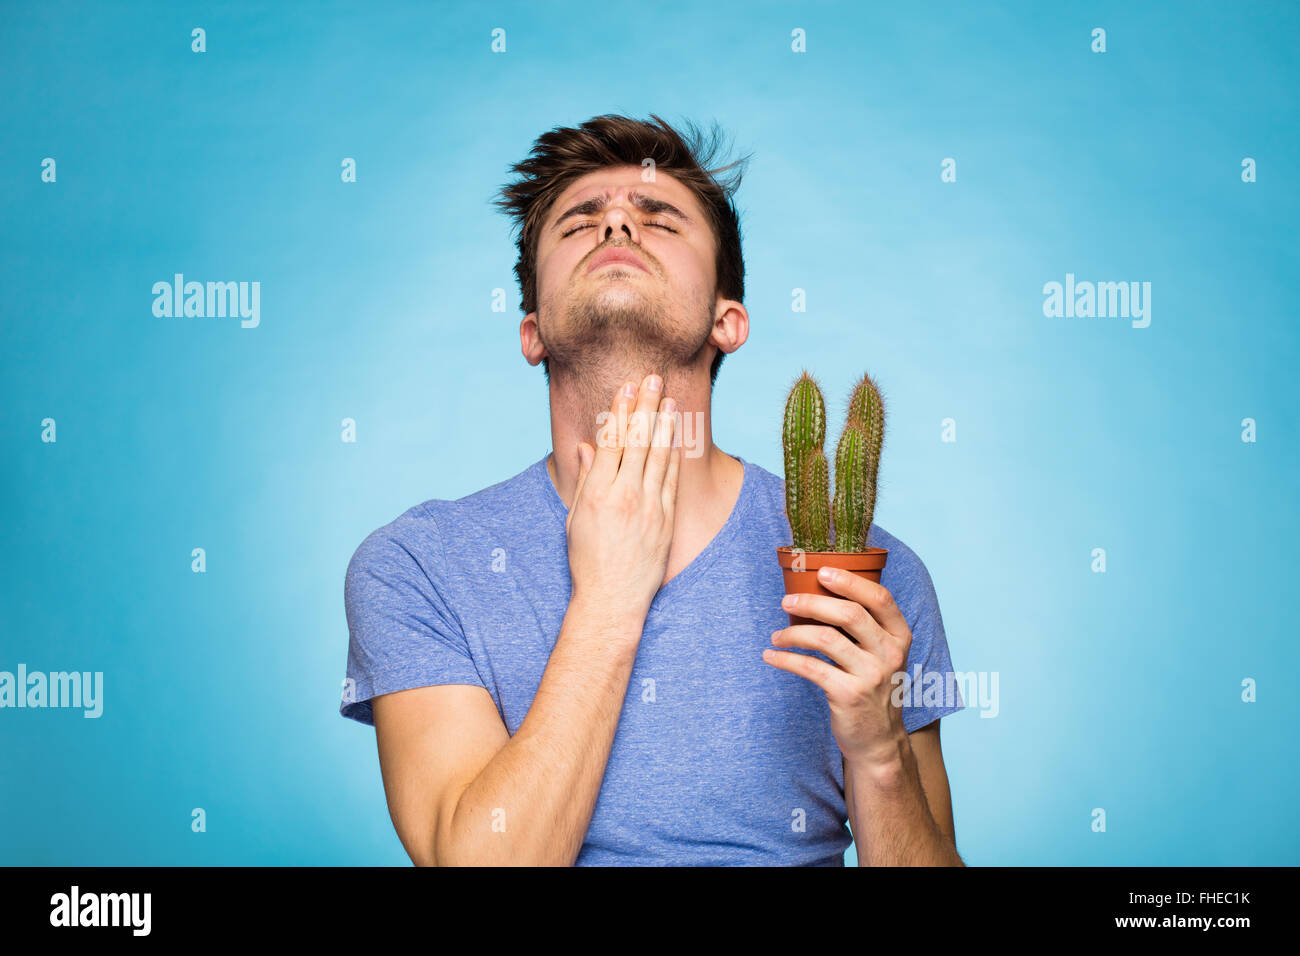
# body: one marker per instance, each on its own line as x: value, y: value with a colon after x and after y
x: 402, y: 632
x: 930, y: 687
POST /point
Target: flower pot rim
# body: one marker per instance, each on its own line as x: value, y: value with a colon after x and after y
x: 873, y: 559
x: 789, y: 549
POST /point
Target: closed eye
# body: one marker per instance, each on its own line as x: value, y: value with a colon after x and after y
x: 584, y: 225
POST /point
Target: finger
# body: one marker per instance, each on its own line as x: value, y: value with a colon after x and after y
x: 669, y: 494
x: 855, y: 620
x: 829, y: 678
x: 640, y: 427
x: 609, y: 449
x: 825, y: 640
x: 872, y: 595
x: 661, y: 447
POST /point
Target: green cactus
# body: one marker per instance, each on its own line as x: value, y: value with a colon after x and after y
x: 814, y: 495
x: 803, y: 432
x: 857, y: 464
x: 850, y: 499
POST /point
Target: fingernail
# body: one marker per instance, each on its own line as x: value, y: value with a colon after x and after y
x: 670, y: 406
x: 629, y: 390
x: 652, y: 382
x: 788, y: 601
x: 827, y: 574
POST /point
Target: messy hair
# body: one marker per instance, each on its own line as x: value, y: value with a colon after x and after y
x: 564, y: 154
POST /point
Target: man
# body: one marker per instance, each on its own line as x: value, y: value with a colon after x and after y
x: 589, y: 663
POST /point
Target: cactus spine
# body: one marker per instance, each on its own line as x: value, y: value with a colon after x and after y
x: 857, y: 464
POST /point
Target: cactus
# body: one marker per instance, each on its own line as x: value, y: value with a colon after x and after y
x: 803, y: 432
x: 814, y: 495
x: 850, y: 494
x: 857, y: 463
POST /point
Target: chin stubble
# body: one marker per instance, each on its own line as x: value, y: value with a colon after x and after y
x: 603, y: 346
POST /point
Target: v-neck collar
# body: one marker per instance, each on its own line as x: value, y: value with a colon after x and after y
x: 700, y: 564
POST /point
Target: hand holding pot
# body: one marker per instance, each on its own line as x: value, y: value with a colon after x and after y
x: 866, y: 635
x: 621, y: 523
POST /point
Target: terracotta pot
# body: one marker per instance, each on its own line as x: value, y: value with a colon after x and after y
x: 866, y: 564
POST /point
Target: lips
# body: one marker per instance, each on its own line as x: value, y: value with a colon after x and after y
x: 610, y: 256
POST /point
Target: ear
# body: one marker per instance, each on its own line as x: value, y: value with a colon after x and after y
x: 530, y: 342
x: 730, y: 325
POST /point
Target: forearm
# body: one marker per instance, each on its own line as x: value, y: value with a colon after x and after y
x: 891, y: 819
x: 532, y: 804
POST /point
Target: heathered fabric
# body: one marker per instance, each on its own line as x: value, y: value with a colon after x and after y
x: 719, y: 757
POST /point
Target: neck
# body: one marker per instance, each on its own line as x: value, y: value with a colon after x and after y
x: 707, y: 474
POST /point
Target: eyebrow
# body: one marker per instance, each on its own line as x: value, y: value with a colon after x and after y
x: 647, y: 204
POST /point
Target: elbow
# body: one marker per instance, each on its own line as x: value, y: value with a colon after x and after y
x: 419, y: 846
x: 439, y: 848
x: 956, y: 857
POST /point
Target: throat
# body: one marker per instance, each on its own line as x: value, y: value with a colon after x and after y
x: 696, y: 527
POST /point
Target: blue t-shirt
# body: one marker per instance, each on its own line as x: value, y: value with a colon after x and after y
x: 719, y: 757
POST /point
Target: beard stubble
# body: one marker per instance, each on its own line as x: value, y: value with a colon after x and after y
x: 609, y: 338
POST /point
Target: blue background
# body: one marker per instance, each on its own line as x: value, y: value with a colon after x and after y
x: 1119, y: 690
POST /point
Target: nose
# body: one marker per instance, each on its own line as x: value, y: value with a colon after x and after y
x: 617, y: 220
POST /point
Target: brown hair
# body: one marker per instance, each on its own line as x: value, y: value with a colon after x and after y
x: 563, y: 155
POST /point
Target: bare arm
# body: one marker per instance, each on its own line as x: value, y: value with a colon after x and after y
x: 461, y: 790
x: 895, y: 785
x: 901, y: 815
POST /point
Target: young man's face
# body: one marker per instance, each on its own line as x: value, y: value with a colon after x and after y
x: 658, y: 309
